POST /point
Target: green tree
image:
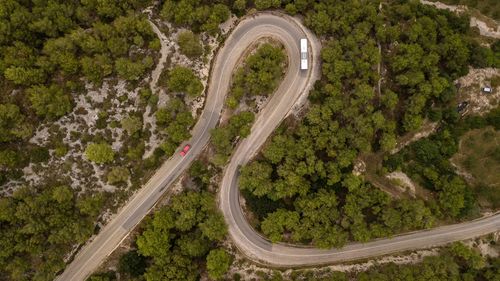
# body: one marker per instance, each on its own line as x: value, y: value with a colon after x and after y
x: 472, y: 257
x: 277, y: 224
x: 214, y: 227
x: 452, y: 195
x: 8, y: 158
x: 266, y: 4
x: 218, y: 262
x: 132, y: 70
x: 96, y: 68
x: 132, y: 263
x: 50, y: 102
x: 12, y: 123
x: 238, y: 126
x: 240, y: 5
x: 99, y: 153
x: 131, y: 124
x: 182, y: 79
x: 256, y: 177
x: 118, y: 175
x: 24, y: 76
x: 189, y: 44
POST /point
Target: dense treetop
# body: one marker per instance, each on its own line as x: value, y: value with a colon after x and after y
x: 181, y: 233
x: 260, y: 74
x: 353, y: 112
x: 39, y: 227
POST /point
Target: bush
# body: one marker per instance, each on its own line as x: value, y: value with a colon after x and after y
x: 182, y: 79
x: 50, y: 102
x: 131, y: 70
x: 118, y: 174
x: 131, y: 124
x: 218, y: 262
x: 99, y: 153
x: 132, y: 263
x: 189, y: 44
x: 39, y: 154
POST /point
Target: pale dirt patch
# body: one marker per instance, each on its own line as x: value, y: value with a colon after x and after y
x: 471, y: 90
x: 359, y: 167
x: 462, y: 172
x: 443, y: 6
x: 403, y: 182
x: 228, y: 25
x: 484, y: 245
x: 426, y: 130
x: 485, y: 28
x: 250, y: 271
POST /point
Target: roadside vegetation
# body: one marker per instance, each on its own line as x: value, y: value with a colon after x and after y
x: 189, y: 44
x: 260, y: 74
x: 78, y: 128
x: 455, y: 262
x: 301, y: 188
x: 224, y: 137
x: 182, y: 239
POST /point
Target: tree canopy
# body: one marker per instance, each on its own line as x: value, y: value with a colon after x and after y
x: 218, y: 262
x: 189, y: 44
x: 260, y: 74
x: 182, y: 79
x: 181, y: 233
x: 423, y: 50
x: 99, y: 153
x: 39, y: 227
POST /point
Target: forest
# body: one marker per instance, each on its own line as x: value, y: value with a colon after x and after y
x: 305, y: 172
x: 387, y: 67
x: 181, y: 239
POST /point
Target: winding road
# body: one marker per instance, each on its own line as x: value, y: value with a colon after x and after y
x: 296, y: 83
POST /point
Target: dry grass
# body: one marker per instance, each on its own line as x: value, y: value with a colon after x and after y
x: 479, y: 159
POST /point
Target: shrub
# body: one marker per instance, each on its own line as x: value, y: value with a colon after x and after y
x: 189, y: 44
x: 182, y: 79
x: 118, y: 174
x: 99, y: 153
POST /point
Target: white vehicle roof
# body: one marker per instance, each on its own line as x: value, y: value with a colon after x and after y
x: 303, y: 45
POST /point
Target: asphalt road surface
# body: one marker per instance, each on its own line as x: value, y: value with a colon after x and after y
x: 249, y: 30
x: 295, y: 84
x: 259, y: 249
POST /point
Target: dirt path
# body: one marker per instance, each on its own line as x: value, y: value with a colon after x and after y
x: 148, y: 117
x: 165, y: 44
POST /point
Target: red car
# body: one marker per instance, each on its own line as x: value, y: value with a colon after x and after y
x: 185, y: 149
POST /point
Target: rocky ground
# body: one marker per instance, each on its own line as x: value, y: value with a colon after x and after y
x: 97, y: 113
x: 470, y: 90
